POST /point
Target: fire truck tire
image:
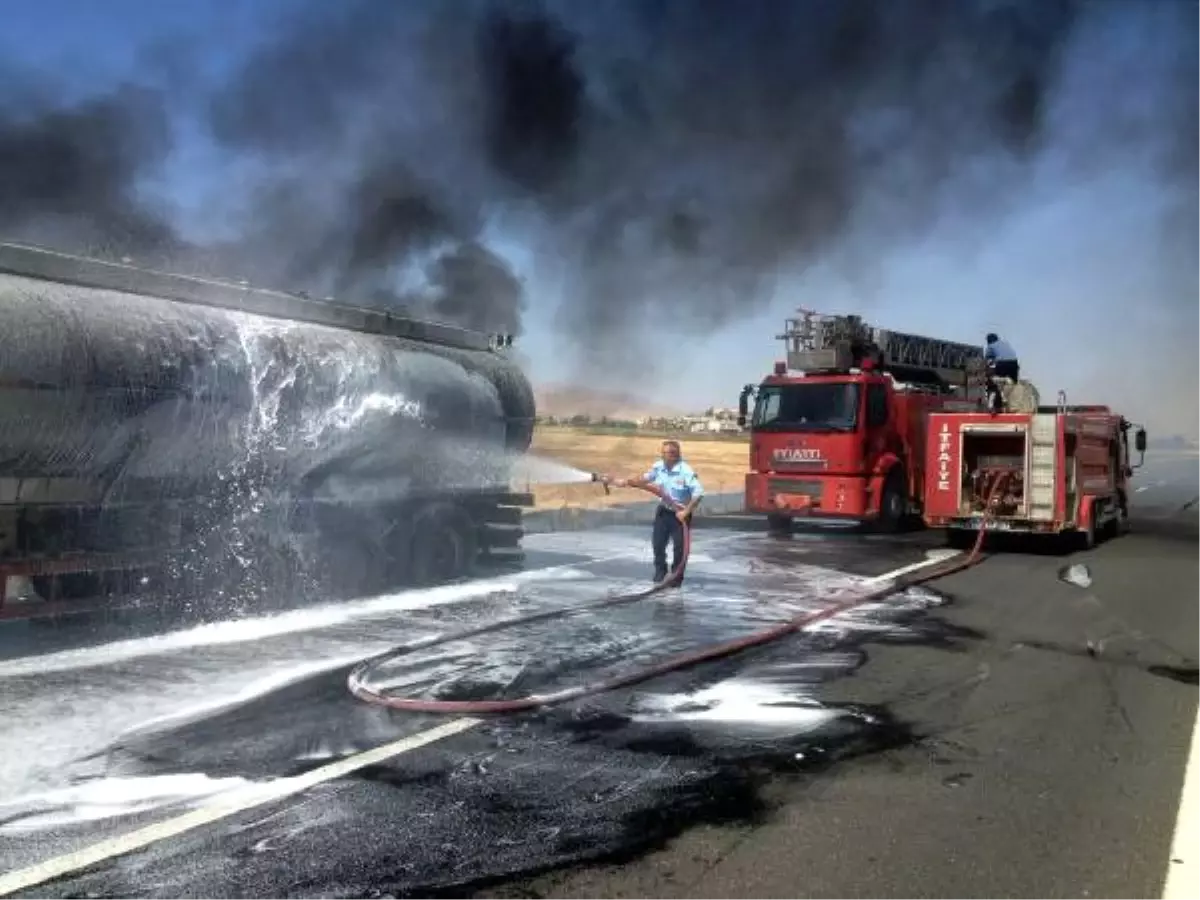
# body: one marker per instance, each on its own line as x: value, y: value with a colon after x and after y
x: 1118, y: 524
x: 444, y: 544
x: 1085, y: 538
x: 893, y: 508
x: 777, y: 524
x: 1121, y: 523
x: 960, y: 538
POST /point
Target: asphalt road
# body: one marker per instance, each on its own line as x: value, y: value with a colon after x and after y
x: 1024, y: 765
x: 960, y: 742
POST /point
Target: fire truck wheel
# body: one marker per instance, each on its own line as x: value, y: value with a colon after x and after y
x: 777, y: 524
x: 1118, y: 524
x: 960, y: 538
x: 1088, y: 537
x: 444, y: 544
x: 1085, y: 538
x: 892, y: 506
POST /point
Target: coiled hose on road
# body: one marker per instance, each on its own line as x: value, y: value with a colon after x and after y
x: 358, y: 680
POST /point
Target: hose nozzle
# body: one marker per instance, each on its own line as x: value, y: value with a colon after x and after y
x: 602, y: 479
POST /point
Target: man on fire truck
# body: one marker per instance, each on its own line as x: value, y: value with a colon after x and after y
x: 1001, y: 358
x: 1001, y: 361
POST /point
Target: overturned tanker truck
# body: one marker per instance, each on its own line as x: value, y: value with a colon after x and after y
x: 166, y: 436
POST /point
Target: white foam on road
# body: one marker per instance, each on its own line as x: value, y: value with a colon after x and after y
x: 607, y: 548
x: 737, y: 702
x: 258, y: 628
x: 744, y: 702
x: 252, y: 691
x: 57, y: 716
x: 108, y: 798
x: 58, y: 734
x: 229, y: 804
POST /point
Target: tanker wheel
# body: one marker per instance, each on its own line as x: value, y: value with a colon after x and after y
x: 444, y: 544
x: 893, y: 506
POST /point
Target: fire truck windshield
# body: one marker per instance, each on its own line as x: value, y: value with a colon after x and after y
x: 806, y: 407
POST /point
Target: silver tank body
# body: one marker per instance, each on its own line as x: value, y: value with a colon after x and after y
x: 126, y: 388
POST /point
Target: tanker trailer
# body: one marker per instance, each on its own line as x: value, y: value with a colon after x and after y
x: 196, y: 435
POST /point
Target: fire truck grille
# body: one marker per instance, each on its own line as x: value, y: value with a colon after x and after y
x: 793, y: 486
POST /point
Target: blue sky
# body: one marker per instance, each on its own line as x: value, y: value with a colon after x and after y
x: 1071, y: 270
x: 88, y: 41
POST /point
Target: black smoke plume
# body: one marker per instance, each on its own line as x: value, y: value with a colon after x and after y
x: 69, y: 172
x: 660, y: 158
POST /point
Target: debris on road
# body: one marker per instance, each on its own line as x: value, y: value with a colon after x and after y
x: 1077, y: 574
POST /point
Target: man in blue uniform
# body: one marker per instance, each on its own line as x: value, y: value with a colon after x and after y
x: 1001, y: 358
x: 1001, y: 361
x: 677, y: 480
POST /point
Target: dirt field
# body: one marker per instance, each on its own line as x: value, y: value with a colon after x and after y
x: 720, y: 462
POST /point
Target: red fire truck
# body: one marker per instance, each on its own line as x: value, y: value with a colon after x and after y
x: 1061, y: 469
x: 838, y: 429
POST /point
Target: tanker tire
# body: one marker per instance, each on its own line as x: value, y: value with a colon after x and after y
x: 779, y: 525
x: 892, y: 506
x: 444, y: 544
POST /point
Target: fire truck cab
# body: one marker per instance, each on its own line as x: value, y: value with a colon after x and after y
x: 838, y: 430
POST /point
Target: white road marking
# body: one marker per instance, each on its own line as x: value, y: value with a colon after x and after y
x: 236, y: 802
x: 933, y: 559
x: 260, y: 794
x: 1183, y: 880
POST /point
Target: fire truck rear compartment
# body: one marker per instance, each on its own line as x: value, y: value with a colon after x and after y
x: 986, y: 458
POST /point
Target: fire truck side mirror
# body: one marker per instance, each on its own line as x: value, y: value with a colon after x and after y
x: 744, y: 405
x: 1139, y: 440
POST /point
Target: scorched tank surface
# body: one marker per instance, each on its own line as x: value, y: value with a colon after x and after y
x: 124, y: 376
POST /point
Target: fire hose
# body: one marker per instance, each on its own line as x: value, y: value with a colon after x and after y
x: 358, y: 679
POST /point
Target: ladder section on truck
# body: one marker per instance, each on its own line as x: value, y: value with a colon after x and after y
x: 1043, y: 466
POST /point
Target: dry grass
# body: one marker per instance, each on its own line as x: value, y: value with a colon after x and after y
x: 720, y: 462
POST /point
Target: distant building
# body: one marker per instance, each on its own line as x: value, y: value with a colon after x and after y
x: 713, y: 425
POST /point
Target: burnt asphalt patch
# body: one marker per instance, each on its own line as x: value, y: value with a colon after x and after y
x: 514, y: 796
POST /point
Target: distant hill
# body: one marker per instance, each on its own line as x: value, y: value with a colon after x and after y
x: 566, y: 400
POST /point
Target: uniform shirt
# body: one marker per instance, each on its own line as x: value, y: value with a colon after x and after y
x: 1000, y: 351
x: 679, y: 482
